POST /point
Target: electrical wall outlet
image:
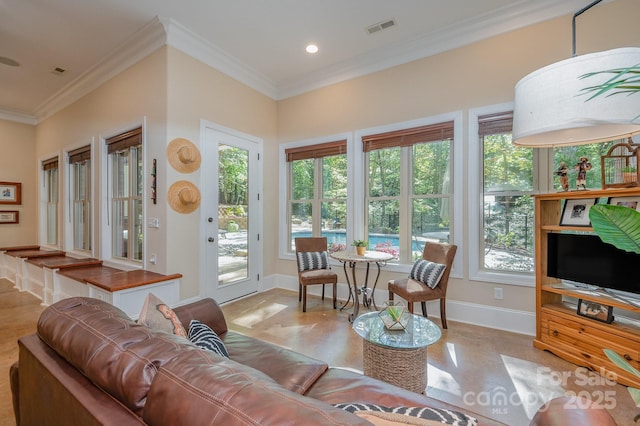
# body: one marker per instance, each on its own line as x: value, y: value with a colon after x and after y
x: 497, y: 293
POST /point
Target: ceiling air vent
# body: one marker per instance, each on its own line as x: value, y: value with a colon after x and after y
x: 58, y: 71
x: 381, y: 26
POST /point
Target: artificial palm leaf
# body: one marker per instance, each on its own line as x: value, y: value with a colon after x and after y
x: 622, y: 363
x: 617, y: 225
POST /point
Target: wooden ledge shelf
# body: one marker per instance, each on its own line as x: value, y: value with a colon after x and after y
x: 123, y: 280
x: 51, y: 275
x: 30, y: 254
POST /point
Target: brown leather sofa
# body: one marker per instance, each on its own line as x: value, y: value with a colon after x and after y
x: 90, y: 364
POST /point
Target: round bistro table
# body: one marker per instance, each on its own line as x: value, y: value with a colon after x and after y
x: 351, y: 260
x: 398, y: 357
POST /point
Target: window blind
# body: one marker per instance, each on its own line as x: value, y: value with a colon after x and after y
x: 495, y: 124
x: 124, y: 141
x: 408, y: 137
x: 80, y: 155
x: 51, y: 163
x: 316, y: 151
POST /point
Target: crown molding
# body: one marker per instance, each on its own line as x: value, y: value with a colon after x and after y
x: 144, y: 42
x: 18, y: 117
x: 165, y: 31
x: 195, y: 46
x: 479, y: 28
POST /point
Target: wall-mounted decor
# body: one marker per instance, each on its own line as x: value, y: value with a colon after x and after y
x: 576, y: 212
x: 154, y: 172
x: 183, y: 155
x: 10, y: 193
x: 9, y: 216
x: 183, y: 196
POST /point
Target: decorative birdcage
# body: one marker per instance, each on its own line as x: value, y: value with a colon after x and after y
x: 620, y: 166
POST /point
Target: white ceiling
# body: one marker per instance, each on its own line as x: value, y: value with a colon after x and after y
x: 259, y: 42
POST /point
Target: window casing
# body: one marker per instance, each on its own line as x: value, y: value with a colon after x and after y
x: 50, y: 180
x: 317, y: 193
x: 126, y: 216
x: 81, y: 210
x: 408, y: 189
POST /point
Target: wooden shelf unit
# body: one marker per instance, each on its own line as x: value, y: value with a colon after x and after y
x: 559, y: 329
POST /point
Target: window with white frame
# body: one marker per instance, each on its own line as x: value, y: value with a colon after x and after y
x: 50, y: 200
x: 126, y: 216
x: 80, y: 185
x: 507, y: 226
x: 408, y: 189
x: 317, y: 192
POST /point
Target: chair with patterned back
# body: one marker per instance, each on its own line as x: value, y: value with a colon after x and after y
x: 428, y: 279
x: 313, y: 267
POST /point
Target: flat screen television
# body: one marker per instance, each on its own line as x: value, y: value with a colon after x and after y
x: 587, y: 259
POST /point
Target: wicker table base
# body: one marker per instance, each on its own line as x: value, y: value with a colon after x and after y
x: 406, y: 368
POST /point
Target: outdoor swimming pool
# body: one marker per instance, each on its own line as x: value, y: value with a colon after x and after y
x: 340, y: 237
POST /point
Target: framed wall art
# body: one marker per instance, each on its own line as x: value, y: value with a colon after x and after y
x: 10, y: 193
x: 632, y: 202
x: 9, y: 216
x: 576, y: 212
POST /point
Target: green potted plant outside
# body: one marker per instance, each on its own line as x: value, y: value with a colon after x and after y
x: 361, y: 246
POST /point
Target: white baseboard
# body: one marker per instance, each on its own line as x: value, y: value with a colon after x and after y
x: 506, y: 319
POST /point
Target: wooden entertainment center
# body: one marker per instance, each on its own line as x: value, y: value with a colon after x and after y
x: 559, y: 329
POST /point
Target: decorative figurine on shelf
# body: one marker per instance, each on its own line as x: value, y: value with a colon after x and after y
x: 563, y: 174
x: 582, y: 167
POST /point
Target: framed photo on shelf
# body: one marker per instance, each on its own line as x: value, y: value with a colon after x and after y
x: 10, y: 193
x: 595, y: 311
x: 576, y: 212
x: 632, y: 202
x: 9, y: 216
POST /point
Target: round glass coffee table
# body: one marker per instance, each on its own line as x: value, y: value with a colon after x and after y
x: 398, y: 357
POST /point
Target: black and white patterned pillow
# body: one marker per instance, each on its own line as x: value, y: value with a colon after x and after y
x: 312, y: 260
x: 439, y: 415
x: 427, y: 272
x: 204, y: 337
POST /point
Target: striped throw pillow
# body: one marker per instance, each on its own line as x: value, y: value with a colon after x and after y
x: 427, y: 272
x: 312, y: 260
x: 205, y: 338
x: 399, y: 415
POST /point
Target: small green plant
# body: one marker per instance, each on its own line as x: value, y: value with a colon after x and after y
x: 395, y: 312
x: 360, y: 243
x: 629, y: 169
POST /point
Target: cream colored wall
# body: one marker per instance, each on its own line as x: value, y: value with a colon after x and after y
x: 18, y: 147
x: 133, y: 96
x: 481, y: 74
x: 197, y: 91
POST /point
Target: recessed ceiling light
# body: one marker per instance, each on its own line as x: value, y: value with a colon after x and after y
x: 8, y: 61
x: 312, y: 48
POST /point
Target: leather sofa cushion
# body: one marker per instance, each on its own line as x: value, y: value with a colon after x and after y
x: 338, y: 386
x: 188, y: 391
x: 115, y: 353
x: 294, y: 371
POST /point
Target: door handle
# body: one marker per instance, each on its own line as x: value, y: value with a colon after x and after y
x: 211, y: 239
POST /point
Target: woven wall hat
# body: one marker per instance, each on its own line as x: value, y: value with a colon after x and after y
x: 183, y: 155
x: 183, y: 196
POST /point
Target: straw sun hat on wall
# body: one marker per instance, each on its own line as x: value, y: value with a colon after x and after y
x: 183, y: 196
x: 183, y: 155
